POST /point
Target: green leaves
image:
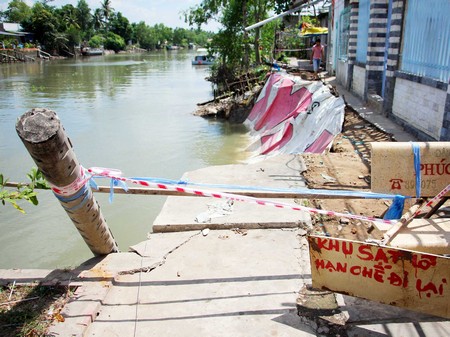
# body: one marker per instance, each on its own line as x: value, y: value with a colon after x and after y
x: 23, y: 191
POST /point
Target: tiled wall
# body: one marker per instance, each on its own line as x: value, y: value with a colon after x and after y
x: 359, y: 81
x: 420, y: 105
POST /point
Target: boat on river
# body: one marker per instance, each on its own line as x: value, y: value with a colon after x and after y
x: 173, y: 47
x: 92, y: 51
x: 203, y: 60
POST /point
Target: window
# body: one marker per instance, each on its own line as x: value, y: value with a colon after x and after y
x: 343, y: 34
x: 363, y: 31
x: 426, y: 39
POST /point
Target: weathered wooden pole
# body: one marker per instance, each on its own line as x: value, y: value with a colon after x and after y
x: 45, y: 139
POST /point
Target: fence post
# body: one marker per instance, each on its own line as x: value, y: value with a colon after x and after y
x: 45, y: 139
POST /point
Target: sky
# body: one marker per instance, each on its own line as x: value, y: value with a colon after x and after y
x: 151, y: 12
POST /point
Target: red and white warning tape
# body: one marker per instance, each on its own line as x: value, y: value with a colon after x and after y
x: 72, y: 188
x: 116, y: 174
x: 432, y: 201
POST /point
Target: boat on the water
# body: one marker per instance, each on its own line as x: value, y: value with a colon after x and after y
x: 91, y: 51
x: 173, y: 47
x: 203, y: 60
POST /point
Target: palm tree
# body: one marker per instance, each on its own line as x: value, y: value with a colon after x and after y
x: 107, y: 11
x: 97, y: 19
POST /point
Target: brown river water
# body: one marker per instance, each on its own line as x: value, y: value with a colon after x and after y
x: 129, y: 112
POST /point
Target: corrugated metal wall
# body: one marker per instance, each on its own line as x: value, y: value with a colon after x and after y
x: 426, y: 39
x: 363, y: 30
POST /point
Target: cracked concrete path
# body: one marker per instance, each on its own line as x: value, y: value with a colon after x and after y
x: 228, y: 283
x: 194, y: 213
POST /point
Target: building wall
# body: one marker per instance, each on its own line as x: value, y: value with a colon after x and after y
x: 445, y: 132
x: 393, y: 57
x: 359, y: 81
x: 420, y: 106
x: 339, y: 66
x: 377, y: 45
x: 342, y: 72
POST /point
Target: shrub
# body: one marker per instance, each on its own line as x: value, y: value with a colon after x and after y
x: 96, y: 41
x: 114, y: 42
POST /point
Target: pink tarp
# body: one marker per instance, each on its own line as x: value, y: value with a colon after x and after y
x: 294, y: 116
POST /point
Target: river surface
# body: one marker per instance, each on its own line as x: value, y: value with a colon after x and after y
x: 129, y: 112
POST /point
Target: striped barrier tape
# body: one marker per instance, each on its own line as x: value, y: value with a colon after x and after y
x: 312, y: 192
x: 117, y: 175
x: 72, y: 188
x: 432, y: 201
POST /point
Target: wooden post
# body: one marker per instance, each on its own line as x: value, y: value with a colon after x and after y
x: 45, y: 139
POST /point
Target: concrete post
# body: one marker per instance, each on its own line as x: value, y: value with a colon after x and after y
x: 45, y: 139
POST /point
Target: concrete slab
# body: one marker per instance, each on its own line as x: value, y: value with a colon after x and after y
x: 194, y: 213
x: 23, y: 276
x: 410, y: 329
x: 158, y: 245
x: 223, y: 284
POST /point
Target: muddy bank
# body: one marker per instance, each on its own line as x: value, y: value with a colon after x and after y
x: 232, y: 107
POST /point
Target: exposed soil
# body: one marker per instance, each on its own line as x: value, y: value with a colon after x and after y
x: 28, y: 310
x: 347, y: 167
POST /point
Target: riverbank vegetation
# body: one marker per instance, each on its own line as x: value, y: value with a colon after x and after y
x: 29, y: 310
x: 13, y: 193
x: 239, y: 51
x: 59, y: 30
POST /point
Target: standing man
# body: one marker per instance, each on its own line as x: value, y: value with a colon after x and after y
x: 316, y: 57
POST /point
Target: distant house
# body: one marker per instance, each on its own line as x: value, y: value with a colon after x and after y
x: 14, y: 30
x: 396, y: 53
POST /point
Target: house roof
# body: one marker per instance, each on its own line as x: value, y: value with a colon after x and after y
x: 12, y: 29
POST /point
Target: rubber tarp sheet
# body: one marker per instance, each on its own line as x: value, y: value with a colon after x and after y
x: 292, y: 115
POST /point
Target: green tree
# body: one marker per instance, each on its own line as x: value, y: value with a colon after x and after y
x: 179, y: 37
x: 114, y: 42
x: 267, y: 40
x: 258, y: 11
x: 97, y: 41
x: 97, y: 20
x: 107, y: 11
x: 44, y: 24
x: 17, y: 11
x: 121, y: 26
x: 58, y: 29
x: 145, y: 36
x: 85, y: 19
x: 233, y: 42
x: 67, y: 17
x: 163, y: 34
